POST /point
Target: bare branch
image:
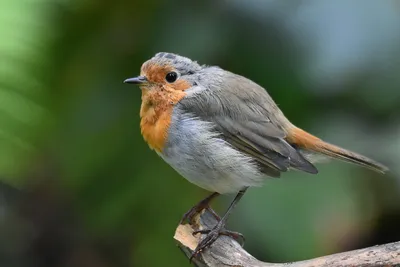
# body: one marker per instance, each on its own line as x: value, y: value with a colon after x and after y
x: 228, y: 252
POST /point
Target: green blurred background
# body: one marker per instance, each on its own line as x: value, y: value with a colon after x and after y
x: 79, y: 187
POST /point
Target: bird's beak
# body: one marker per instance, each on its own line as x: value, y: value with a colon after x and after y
x: 136, y: 80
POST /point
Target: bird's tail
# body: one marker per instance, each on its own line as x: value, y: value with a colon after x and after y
x: 311, y: 143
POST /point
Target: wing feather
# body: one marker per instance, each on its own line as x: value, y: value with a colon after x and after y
x: 242, y: 115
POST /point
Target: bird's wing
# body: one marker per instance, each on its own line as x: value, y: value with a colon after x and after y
x: 241, y: 115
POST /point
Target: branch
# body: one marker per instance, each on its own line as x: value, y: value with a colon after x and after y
x: 227, y: 252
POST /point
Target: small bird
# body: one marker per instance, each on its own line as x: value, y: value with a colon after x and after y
x: 223, y: 132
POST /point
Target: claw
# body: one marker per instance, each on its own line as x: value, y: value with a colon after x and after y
x: 204, y: 231
x: 189, y: 215
x: 203, y: 204
x: 194, y: 255
x: 235, y: 235
x: 212, y: 235
x: 218, y: 229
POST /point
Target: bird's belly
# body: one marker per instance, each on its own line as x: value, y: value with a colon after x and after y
x: 196, y: 152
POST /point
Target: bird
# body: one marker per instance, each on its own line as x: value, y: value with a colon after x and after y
x: 223, y: 132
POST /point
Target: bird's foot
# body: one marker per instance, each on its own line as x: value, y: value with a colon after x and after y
x: 190, y: 214
x: 199, y: 207
x: 212, y: 235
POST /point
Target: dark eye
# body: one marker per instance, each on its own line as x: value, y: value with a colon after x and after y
x: 171, y: 77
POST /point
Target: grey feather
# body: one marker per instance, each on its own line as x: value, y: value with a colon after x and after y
x: 246, y: 116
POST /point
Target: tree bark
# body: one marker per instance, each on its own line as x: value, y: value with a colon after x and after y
x: 227, y: 252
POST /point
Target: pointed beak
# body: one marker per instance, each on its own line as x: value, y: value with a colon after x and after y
x: 136, y: 80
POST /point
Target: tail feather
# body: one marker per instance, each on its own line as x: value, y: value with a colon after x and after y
x: 346, y: 155
x: 314, y: 144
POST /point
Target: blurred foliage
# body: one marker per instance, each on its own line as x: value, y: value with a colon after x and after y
x: 81, y: 188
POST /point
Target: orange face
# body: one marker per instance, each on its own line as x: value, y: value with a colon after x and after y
x: 159, y: 95
x: 157, y: 76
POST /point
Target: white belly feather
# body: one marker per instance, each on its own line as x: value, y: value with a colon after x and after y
x: 196, y: 152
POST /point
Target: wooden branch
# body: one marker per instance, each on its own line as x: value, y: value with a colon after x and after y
x: 227, y: 252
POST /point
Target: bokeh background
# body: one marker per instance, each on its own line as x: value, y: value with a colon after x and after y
x: 79, y: 187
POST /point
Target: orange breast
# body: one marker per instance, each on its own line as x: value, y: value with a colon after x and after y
x: 156, y: 111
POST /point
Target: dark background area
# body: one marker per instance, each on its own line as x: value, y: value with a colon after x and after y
x: 79, y: 186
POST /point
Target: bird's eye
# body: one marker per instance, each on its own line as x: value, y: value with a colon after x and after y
x: 171, y: 77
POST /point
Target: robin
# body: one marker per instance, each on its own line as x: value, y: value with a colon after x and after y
x: 223, y: 132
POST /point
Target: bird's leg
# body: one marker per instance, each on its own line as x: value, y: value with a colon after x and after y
x: 203, y: 204
x: 219, y: 228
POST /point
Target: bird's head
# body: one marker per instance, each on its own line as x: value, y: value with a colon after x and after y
x: 167, y: 71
